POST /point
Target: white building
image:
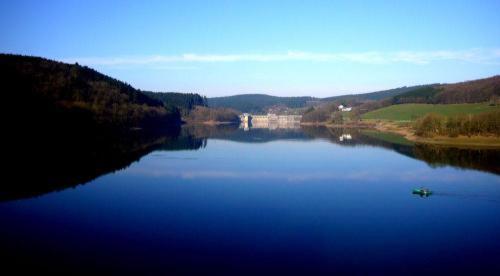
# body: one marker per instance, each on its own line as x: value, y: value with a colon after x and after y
x: 344, y: 108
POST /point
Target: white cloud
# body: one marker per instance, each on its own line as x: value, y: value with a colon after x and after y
x: 486, y: 56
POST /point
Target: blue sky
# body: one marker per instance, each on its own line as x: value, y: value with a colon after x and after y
x: 317, y: 48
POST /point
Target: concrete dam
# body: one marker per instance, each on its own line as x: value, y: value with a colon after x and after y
x: 271, y: 121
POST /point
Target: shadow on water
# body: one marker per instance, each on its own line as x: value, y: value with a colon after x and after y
x: 42, y: 163
x: 486, y: 160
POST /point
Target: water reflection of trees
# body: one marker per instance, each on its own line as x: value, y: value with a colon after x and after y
x: 435, y: 156
x: 60, y: 160
x: 487, y: 160
x: 44, y: 162
x: 239, y: 134
x: 479, y: 159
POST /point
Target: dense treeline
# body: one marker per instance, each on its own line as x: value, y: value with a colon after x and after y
x: 204, y: 114
x: 257, y: 103
x: 323, y: 114
x: 374, y: 96
x: 42, y: 91
x: 421, y: 95
x: 480, y: 124
x: 184, y: 101
x: 476, y: 91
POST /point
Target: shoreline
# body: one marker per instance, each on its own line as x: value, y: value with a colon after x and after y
x: 490, y: 142
x: 461, y: 141
x: 487, y: 142
x: 210, y: 123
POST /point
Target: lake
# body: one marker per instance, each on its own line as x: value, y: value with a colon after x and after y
x: 233, y: 201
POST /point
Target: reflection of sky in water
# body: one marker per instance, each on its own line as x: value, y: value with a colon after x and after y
x: 288, y: 205
x: 295, y: 161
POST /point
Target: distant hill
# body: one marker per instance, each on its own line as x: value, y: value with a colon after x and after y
x: 475, y: 91
x: 39, y: 92
x: 257, y: 103
x: 378, y: 95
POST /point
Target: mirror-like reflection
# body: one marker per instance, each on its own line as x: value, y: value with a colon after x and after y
x: 55, y: 162
x: 222, y: 200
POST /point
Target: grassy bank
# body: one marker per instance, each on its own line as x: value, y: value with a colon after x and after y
x: 411, y: 112
x: 461, y: 141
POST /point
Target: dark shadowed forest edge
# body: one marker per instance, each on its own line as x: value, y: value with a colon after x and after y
x: 69, y: 124
x: 72, y: 95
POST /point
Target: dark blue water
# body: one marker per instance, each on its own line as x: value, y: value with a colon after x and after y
x: 283, y: 206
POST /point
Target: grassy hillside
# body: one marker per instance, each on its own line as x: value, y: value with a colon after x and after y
x: 409, y: 112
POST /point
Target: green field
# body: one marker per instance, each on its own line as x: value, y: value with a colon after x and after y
x: 410, y: 112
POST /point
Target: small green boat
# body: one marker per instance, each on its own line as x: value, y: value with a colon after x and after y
x: 422, y: 192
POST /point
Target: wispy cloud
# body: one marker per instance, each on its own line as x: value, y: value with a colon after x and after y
x: 485, y: 56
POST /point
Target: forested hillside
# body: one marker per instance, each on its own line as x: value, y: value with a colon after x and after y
x: 257, y: 103
x: 475, y: 91
x: 184, y: 101
x: 39, y: 91
x: 378, y: 95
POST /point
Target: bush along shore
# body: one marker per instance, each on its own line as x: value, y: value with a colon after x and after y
x: 479, y: 130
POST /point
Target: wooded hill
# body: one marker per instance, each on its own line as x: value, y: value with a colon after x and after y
x: 184, y: 101
x: 39, y: 91
x: 257, y: 103
x: 475, y: 91
x: 260, y: 103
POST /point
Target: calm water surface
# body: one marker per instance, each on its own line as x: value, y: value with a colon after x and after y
x: 301, y: 201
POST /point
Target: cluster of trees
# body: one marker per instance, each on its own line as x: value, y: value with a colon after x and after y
x: 421, y: 95
x: 184, y: 101
x: 480, y: 124
x: 76, y: 94
x: 323, y: 114
x: 205, y: 114
x: 370, y: 106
